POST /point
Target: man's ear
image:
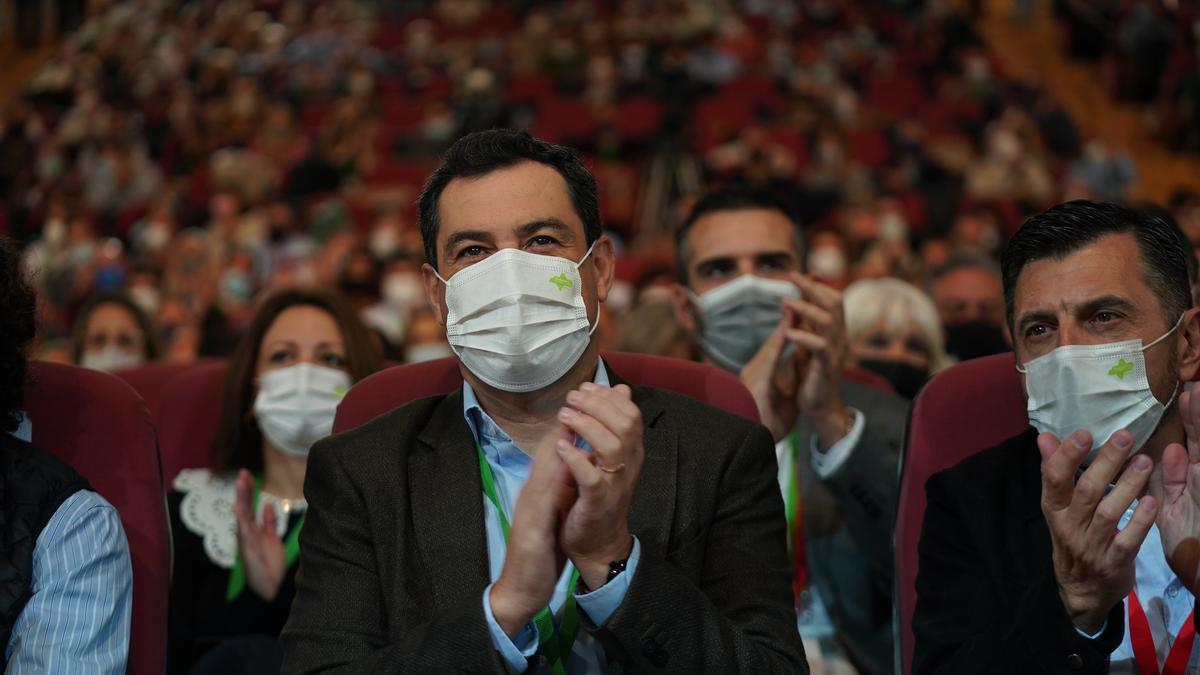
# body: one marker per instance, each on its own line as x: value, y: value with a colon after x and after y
x: 605, y: 264
x: 435, y: 292
x: 1189, y: 360
x: 682, y: 304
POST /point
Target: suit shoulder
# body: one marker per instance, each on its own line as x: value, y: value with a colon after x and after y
x: 1000, y: 467
x: 689, y: 416
x: 385, y: 431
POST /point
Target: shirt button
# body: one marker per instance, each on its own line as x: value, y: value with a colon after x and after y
x: 1075, y: 662
x: 1172, y: 591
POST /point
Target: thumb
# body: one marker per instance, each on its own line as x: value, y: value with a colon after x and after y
x: 1174, y: 471
x: 767, y: 356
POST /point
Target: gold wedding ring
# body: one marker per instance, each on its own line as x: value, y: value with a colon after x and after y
x: 616, y: 469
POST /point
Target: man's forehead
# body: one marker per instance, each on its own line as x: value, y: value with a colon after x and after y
x: 505, y: 199
x: 1109, y: 267
x: 740, y: 232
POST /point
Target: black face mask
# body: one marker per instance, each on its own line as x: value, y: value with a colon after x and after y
x: 973, y: 339
x: 906, y: 379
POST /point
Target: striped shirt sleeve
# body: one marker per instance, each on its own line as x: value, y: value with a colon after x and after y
x: 77, y: 620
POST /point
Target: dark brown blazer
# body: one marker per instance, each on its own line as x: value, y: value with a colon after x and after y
x: 394, y: 554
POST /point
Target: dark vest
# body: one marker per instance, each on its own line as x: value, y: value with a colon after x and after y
x: 33, y: 484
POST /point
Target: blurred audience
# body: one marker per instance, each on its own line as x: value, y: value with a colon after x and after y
x: 237, y: 523
x: 893, y: 330
x: 969, y: 297
x: 112, y: 333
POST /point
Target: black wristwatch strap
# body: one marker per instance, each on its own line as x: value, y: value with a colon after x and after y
x: 615, y: 568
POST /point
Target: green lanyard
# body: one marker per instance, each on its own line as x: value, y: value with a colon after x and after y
x: 291, y: 550
x: 791, y: 500
x: 556, y: 648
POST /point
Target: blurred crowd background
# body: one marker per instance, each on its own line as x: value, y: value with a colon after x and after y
x: 170, y: 163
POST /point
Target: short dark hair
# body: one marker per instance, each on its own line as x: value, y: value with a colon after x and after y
x: 730, y: 198
x: 150, y: 348
x: 483, y: 152
x: 238, y: 443
x: 1069, y: 227
x: 18, y: 306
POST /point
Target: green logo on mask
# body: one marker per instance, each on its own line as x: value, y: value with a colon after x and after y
x: 1118, y: 371
x: 562, y: 281
x: 340, y: 392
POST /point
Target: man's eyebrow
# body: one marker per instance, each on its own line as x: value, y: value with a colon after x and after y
x: 534, y: 226
x: 1089, y: 306
x: 466, y: 235
x: 714, y: 260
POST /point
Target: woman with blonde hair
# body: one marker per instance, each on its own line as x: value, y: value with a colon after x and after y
x: 893, y: 330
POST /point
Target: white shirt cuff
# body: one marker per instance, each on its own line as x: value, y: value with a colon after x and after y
x: 825, y: 464
x: 602, y: 602
x: 1093, y: 636
x: 516, y: 653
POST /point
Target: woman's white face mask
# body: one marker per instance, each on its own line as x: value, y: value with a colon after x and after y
x: 295, y: 406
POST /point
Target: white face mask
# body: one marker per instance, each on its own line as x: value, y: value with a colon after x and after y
x: 110, y: 359
x: 295, y: 405
x: 738, y: 317
x: 1098, y: 388
x: 403, y: 290
x: 517, y: 320
x: 427, y: 352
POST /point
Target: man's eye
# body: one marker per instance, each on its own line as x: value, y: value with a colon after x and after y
x: 471, y: 252
x: 541, y: 240
x: 1037, y: 330
x: 716, y: 271
x: 1106, y: 317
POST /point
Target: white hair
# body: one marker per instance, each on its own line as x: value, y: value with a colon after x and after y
x: 896, y: 305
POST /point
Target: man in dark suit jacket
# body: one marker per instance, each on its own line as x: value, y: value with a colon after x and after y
x: 669, y: 514
x: 837, y: 441
x: 1030, y: 550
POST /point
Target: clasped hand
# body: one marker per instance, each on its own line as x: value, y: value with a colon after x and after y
x: 575, y: 504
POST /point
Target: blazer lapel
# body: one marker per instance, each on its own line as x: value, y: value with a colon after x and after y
x: 652, y: 510
x: 447, y: 506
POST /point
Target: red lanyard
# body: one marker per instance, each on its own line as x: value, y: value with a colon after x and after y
x: 1144, y: 653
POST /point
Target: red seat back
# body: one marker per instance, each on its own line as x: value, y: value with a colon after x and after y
x: 149, y: 380
x: 966, y: 408
x: 188, y: 415
x: 392, y: 388
x: 98, y: 424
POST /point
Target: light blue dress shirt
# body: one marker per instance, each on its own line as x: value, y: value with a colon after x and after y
x: 510, y: 468
x: 77, y: 620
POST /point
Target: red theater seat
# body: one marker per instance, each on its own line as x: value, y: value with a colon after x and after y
x: 965, y: 409
x: 149, y: 380
x: 394, y: 387
x: 187, y: 417
x: 99, y: 425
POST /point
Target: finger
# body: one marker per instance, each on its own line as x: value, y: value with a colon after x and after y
x: 602, y: 441
x: 1125, y: 545
x: 1047, y: 443
x: 587, y: 476
x: 1113, y: 506
x: 618, y: 414
x: 620, y: 396
x: 270, y: 525
x: 1092, y: 485
x: 810, y: 341
x: 817, y: 317
x: 243, y: 498
x: 1174, y: 472
x: 1058, y: 471
x: 827, y: 297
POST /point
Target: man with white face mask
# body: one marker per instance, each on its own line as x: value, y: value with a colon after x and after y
x: 547, y: 516
x: 1075, y: 549
x: 741, y: 294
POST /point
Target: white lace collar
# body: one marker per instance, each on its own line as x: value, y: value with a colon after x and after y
x: 207, y: 511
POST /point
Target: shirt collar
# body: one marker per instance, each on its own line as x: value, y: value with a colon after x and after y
x: 484, y: 429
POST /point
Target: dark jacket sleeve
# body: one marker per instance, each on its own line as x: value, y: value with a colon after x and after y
x: 338, y: 622
x: 740, y: 618
x: 966, y: 622
x: 866, y: 489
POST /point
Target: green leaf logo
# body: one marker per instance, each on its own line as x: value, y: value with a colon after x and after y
x: 340, y: 392
x: 1118, y: 371
x: 562, y: 281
